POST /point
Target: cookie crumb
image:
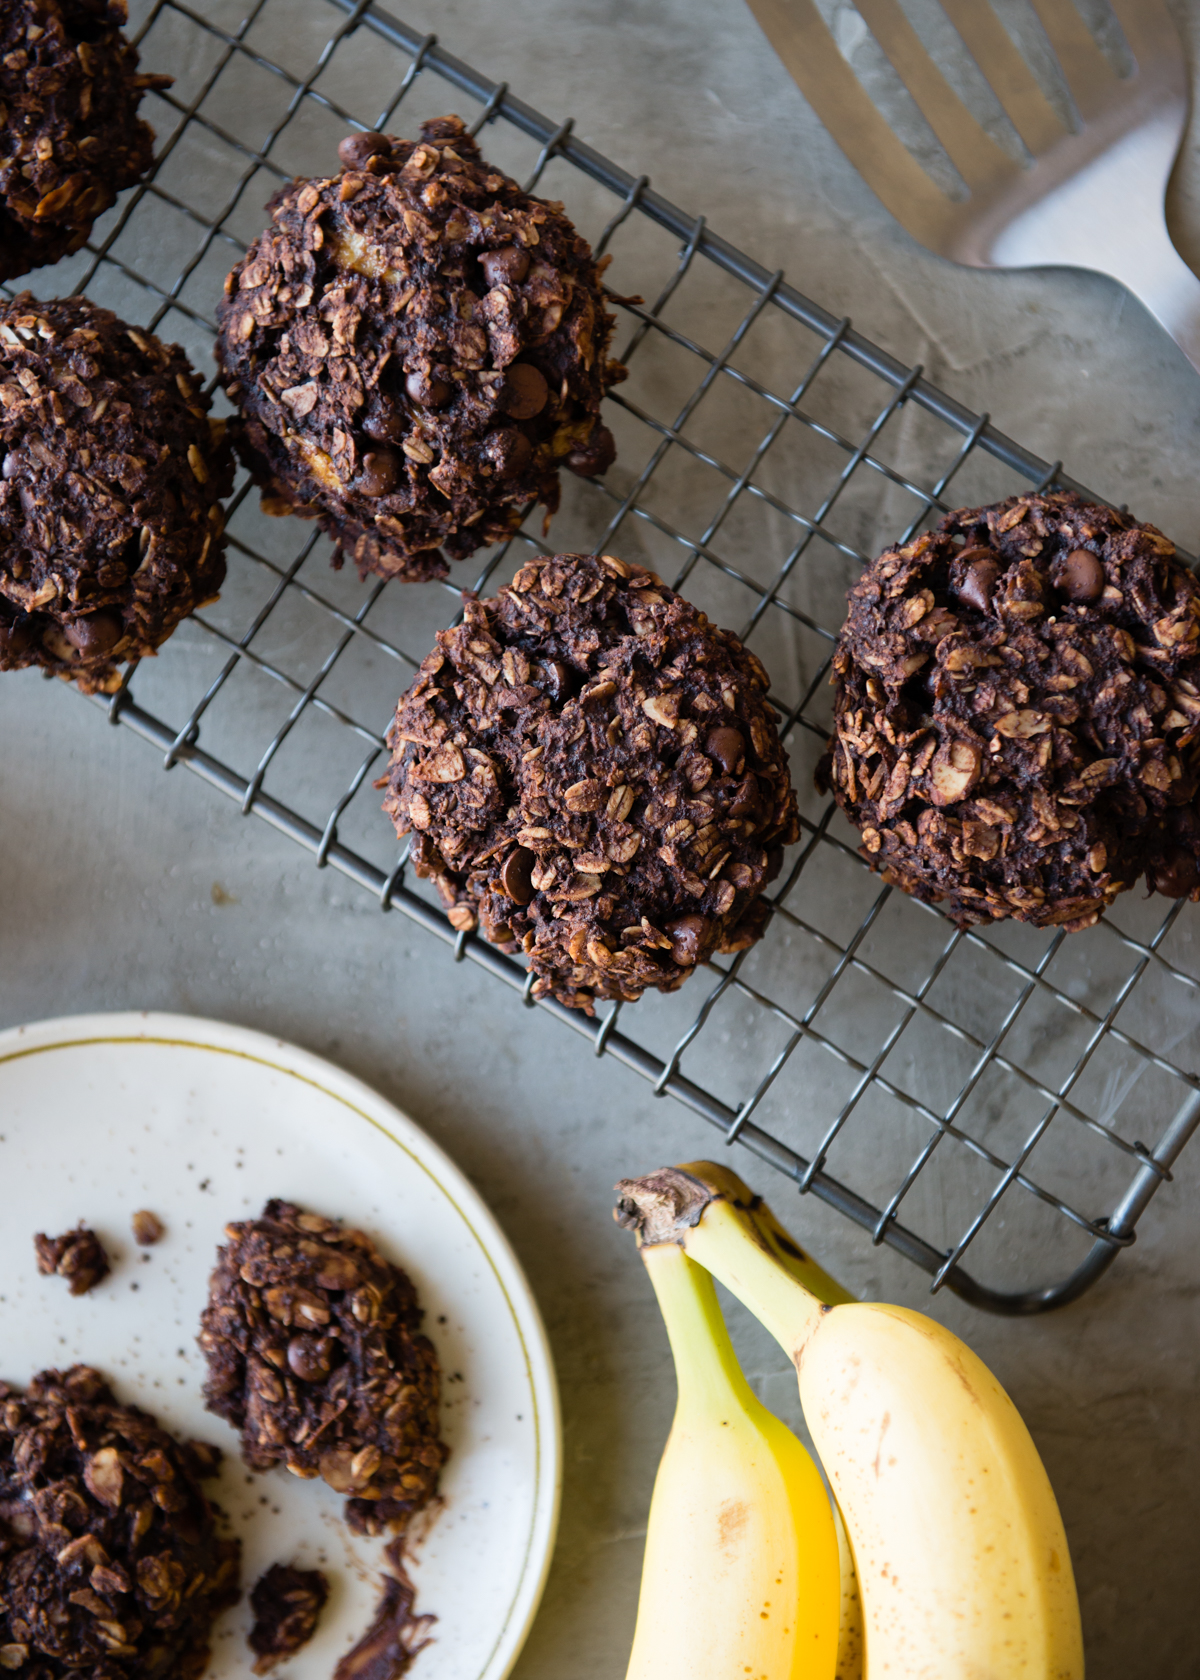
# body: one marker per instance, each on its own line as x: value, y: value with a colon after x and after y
x: 77, y: 1255
x: 148, y: 1228
x: 395, y: 1636
x: 287, y: 1604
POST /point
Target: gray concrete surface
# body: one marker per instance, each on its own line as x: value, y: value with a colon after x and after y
x: 120, y: 887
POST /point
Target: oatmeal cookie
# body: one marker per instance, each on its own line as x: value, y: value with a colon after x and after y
x: 111, y: 476
x: 1018, y: 710
x: 110, y: 1563
x: 417, y: 346
x: 70, y: 137
x: 314, y: 1353
x: 590, y: 770
x: 78, y: 1255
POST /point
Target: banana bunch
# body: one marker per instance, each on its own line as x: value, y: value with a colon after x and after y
x: 962, y: 1562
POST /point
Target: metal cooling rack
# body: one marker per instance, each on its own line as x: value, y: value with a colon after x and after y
x: 990, y: 1090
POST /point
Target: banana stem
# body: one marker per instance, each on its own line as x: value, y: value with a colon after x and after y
x: 786, y: 1249
x: 706, y: 1367
x: 672, y: 1207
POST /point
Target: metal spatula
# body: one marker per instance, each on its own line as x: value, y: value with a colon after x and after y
x: 1089, y: 199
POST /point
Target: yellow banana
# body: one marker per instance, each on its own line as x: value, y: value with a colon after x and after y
x: 740, y: 1579
x: 962, y: 1559
x: 802, y: 1266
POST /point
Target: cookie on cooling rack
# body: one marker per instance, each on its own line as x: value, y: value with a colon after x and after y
x: 416, y: 346
x: 110, y: 1561
x: 70, y: 136
x: 314, y: 1352
x: 1018, y: 711
x: 111, y: 476
x: 590, y: 770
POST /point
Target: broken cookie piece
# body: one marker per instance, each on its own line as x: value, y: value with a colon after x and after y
x: 395, y: 1636
x: 417, y: 346
x: 1017, y: 721
x: 314, y: 1352
x: 287, y: 1604
x: 77, y: 1255
x: 110, y: 1563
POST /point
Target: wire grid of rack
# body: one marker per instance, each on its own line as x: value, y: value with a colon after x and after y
x: 988, y: 1091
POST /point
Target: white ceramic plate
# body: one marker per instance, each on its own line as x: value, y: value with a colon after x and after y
x: 201, y: 1123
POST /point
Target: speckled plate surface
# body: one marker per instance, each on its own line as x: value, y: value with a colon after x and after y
x: 202, y: 1122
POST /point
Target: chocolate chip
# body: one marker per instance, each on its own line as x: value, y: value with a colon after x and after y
x: 506, y: 267
x: 310, y: 1357
x: 728, y: 747
x: 15, y: 639
x: 357, y: 150
x: 1080, y: 576
x: 978, y: 581
x: 96, y: 634
x: 525, y: 391
x: 1175, y: 876
x: 595, y: 456
x: 509, y: 451
x: 686, y: 936
x: 380, y: 471
x: 430, y: 392
x: 747, y: 801
x: 385, y: 425
x: 553, y: 677
x: 516, y: 875
x: 12, y: 465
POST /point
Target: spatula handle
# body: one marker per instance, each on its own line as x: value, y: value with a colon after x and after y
x: 1166, y: 285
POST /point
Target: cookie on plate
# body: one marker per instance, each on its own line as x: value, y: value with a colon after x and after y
x: 1018, y: 711
x: 315, y: 1354
x: 417, y: 346
x: 111, y: 476
x: 110, y: 1561
x: 590, y: 770
x: 70, y: 136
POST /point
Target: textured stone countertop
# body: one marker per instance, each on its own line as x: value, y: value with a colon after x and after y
x: 124, y: 888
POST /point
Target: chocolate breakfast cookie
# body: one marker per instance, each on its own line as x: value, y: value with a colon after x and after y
x: 417, y: 346
x: 315, y: 1354
x: 1018, y: 709
x: 111, y: 476
x: 590, y: 770
x: 70, y: 137
x: 110, y: 1563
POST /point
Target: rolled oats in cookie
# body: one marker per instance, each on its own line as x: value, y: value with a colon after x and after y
x: 111, y: 1566
x: 1018, y: 712
x: 416, y: 346
x: 111, y: 478
x: 315, y: 1354
x: 590, y: 771
x: 70, y: 136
